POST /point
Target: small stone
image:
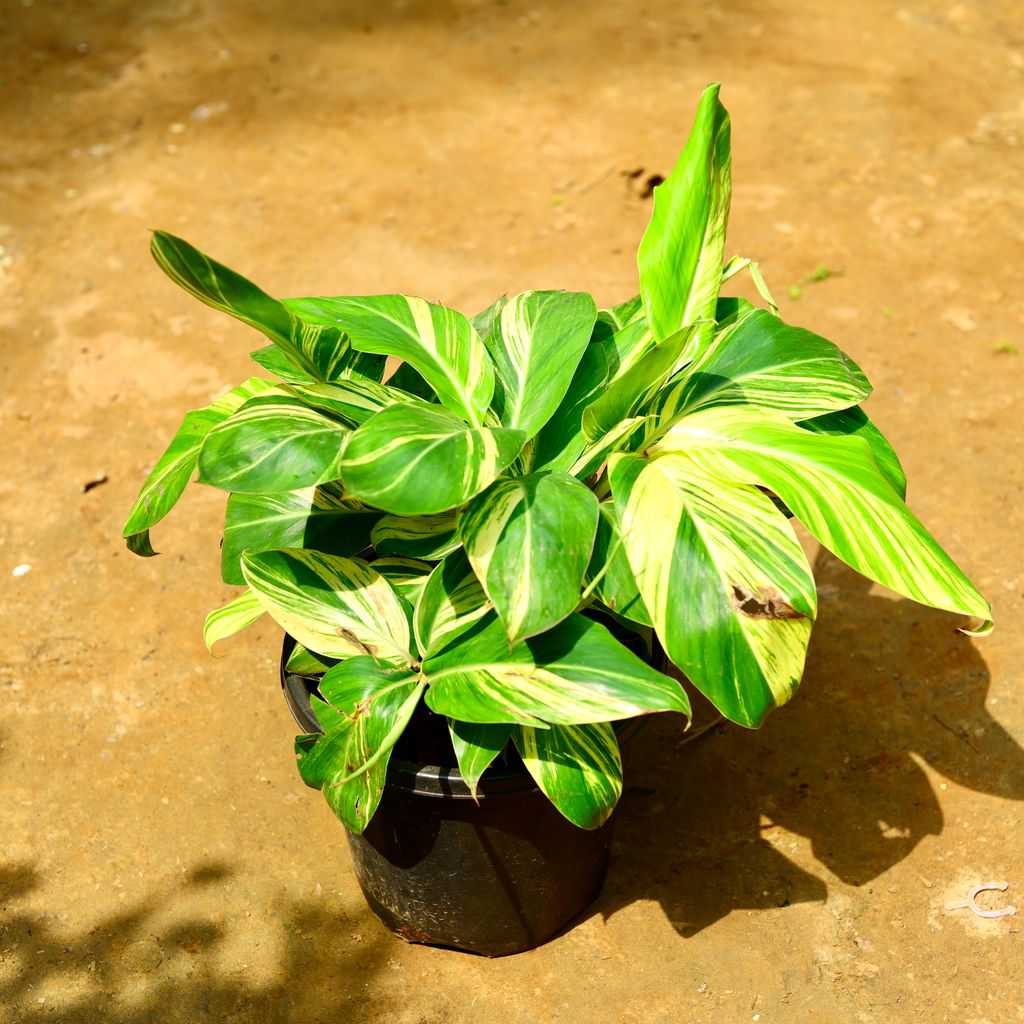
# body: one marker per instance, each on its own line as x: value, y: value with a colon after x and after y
x: 177, y: 128
x: 21, y: 570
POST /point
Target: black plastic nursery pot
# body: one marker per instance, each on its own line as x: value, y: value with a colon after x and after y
x: 493, y: 877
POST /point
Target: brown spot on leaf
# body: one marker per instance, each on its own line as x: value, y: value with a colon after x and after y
x: 347, y: 634
x: 763, y: 603
x: 362, y: 708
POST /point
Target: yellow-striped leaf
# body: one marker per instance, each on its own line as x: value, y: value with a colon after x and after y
x: 364, y: 711
x: 535, y: 343
x: 339, y: 607
x: 233, y: 617
x: 319, y: 518
x: 577, y: 672
x: 855, y: 423
x: 451, y: 602
x: 429, y: 537
x: 417, y: 459
x: 765, y: 362
x: 577, y: 767
x: 311, y: 341
x: 681, y: 254
x: 476, y: 746
x: 529, y: 540
x: 170, y: 476
x: 610, y: 572
x: 407, y: 575
x: 351, y: 401
x: 273, y: 443
x: 725, y: 581
x: 836, y: 489
x: 439, y: 343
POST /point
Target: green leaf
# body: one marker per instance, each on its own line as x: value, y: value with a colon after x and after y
x: 338, y: 607
x: 439, y: 343
x: 854, y: 422
x: 304, y: 662
x: 631, y: 389
x: 319, y: 518
x: 273, y: 443
x: 577, y: 767
x: 765, y: 362
x: 577, y: 672
x: 411, y: 381
x: 624, y: 335
x: 615, y: 585
x: 367, y: 707
x: 429, y: 537
x: 724, y: 578
x: 451, y: 602
x: 836, y: 489
x: 273, y: 360
x: 529, y: 541
x: 476, y: 747
x: 561, y: 440
x: 171, y: 474
x: 407, y: 575
x: 314, y: 346
x: 681, y: 254
x: 417, y: 459
x: 535, y: 344
x: 351, y: 401
x: 317, y: 314
x: 223, y: 622
x: 595, y: 455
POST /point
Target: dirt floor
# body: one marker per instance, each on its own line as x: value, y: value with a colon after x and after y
x: 162, y: 861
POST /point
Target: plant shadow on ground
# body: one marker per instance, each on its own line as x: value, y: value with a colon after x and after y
x: 889, y: 684
x: 149, y: 964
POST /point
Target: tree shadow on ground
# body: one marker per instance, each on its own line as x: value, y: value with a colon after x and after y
x: 150, y: 965
x: 888, y: 684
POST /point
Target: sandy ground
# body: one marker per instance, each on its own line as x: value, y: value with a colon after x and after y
x: 161, y: 859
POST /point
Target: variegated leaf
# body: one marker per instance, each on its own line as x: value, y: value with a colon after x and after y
x: 577, y: 672
x: 429, y: 537
x: 365, y: 710
x: 724, y: 578
x: 314, y: 346
x: 451, y: 602
x: 170, y: 476
x: 319, y: 518
x: 273, y: 443
x: 407, y: 575
x: 765, y: 362
x: 274, y: 361
x: 417, y: 459
x: 319, y: 322
x: 632, y: 388
x: 304, y: 662
x: 439, y: 343
x: 596, y: 454
x: 681, y: 254
x: 855, y: 423
x: 351, y: 401
x: 529, y: 541
x: 561, y: 440
x: 577, y: 767
x: 836, y: 489
x: 610, y: 572
x: 535, y: 345
x: 476, y: 747
x: 623, y: 335
x: 335, y: 606
x: 233, y: 617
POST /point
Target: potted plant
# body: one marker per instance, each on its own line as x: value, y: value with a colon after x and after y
x: 484, y: 535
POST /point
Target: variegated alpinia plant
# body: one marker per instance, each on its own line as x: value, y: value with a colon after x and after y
x: 480, y: 528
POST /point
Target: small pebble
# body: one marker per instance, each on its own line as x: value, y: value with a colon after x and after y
x: 20, y: 570
x: 177, y: 128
